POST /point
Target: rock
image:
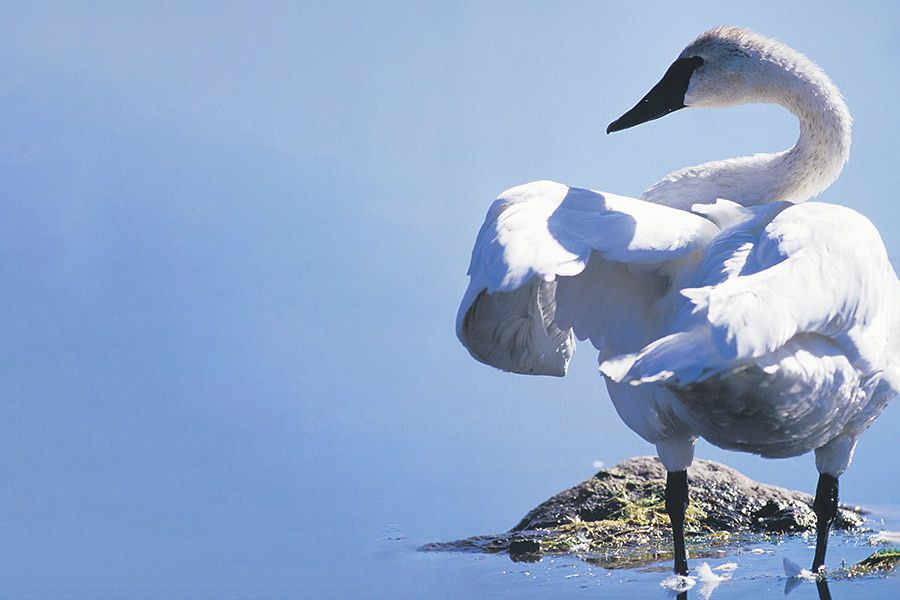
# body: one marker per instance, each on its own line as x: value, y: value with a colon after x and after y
x: 620, y: 514
x: 721, y: 499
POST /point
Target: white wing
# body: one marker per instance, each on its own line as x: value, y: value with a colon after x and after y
x: 808, y: 269
x: 550, y: 258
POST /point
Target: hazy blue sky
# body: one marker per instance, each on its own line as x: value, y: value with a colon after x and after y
x: 233, y: 239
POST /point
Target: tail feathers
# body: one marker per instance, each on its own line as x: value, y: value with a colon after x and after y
x: 679, y: 358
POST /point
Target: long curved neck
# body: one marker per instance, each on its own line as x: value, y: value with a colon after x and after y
x: 817, y: 158
x: 794, y: 175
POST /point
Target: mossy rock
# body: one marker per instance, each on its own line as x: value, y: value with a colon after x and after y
x: 885, y: 558
x: 618, y: 516
x: 721, y: 500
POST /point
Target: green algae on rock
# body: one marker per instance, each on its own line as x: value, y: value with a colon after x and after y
x: 883, y: 560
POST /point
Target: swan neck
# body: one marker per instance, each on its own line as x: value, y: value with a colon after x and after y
x: 823, y: 146
x: 795, y: 175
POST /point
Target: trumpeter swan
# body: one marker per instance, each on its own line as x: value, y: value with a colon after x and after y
x: 722, y: 304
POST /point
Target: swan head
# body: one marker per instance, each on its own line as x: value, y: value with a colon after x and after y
x: 723, y: 67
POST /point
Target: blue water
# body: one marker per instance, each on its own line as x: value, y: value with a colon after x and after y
x: 401, y: 571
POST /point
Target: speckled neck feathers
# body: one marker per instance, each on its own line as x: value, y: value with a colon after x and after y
x: 758, y: 69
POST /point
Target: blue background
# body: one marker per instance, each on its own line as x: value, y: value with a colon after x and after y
x: 233, y: 239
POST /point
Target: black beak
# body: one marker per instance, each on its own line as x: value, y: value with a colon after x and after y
x: 665, y: 97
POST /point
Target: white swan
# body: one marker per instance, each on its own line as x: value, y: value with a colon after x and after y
x: 721, y: 303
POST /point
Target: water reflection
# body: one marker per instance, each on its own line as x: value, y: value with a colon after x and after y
x: 821, y: 588
x: 714, y: 562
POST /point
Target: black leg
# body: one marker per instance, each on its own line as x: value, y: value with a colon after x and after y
x: 826, y: 505
x: 676, y: 503
x: 822, y: 587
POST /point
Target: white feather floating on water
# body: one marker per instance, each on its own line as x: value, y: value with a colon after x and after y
x: 678, y: 583
x: 794, y: 571
x: 885, y: 537
x: 709, y: 580
x: 795, y: 575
